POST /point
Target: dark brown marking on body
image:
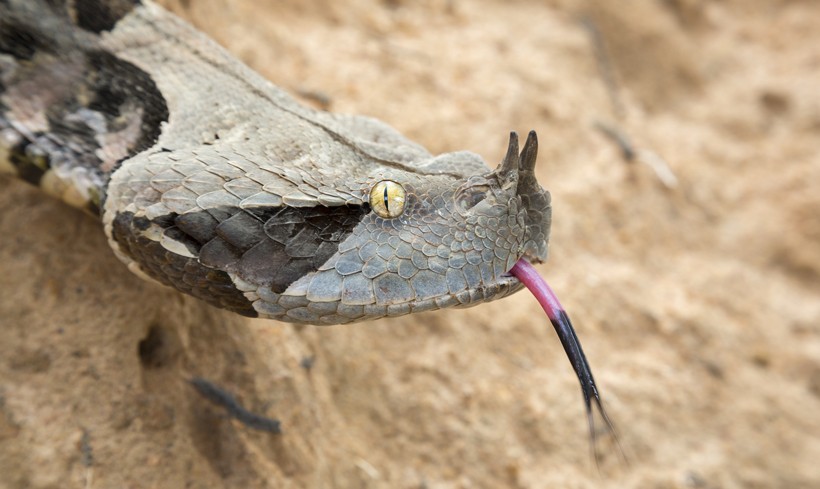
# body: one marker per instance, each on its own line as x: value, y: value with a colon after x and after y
x: 181, y: 272
x: 99, y: 16
x: 120, y: 88
x: 29, y: 168
x: 275, y: 247
x: 75, y: 107
x: 20, y: 41
x: 270, y: 247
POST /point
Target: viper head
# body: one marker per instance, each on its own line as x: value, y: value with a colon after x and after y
x: 436, y: 239
x: 385, y: 230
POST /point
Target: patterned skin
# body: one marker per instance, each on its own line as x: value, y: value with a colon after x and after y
x: 213, y: 181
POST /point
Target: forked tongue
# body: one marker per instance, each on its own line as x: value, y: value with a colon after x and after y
x: 528, y: 276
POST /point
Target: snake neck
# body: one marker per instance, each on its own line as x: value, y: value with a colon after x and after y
x: 70, y: 110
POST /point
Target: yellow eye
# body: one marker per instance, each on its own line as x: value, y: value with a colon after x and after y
x: 387, y: 199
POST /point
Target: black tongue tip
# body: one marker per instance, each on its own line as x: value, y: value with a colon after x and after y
x: 592, y: 398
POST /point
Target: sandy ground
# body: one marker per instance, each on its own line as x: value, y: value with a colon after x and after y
x: 698, y: 303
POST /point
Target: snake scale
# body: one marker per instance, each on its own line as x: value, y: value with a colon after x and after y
x: 213, y: 181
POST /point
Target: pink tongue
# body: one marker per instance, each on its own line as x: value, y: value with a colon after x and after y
x: 526, y: 273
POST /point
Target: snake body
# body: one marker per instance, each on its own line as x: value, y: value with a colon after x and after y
x: 213, y: 181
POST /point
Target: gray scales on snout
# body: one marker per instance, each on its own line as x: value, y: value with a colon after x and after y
x: 211, y: 180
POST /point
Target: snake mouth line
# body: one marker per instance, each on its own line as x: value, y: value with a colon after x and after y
x: 505, y: 284
x: 527, y: 257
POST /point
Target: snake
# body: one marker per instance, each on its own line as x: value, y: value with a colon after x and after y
x: 209, y: 179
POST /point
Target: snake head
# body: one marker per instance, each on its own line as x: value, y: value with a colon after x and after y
x: 452, y: 243
x: 303, y: 240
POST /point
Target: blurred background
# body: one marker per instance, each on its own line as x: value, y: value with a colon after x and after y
x: 680, y: 140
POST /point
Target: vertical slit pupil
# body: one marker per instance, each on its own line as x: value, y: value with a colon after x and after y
x: 386, y: 205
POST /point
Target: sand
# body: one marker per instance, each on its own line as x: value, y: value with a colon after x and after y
x: 692, y: 272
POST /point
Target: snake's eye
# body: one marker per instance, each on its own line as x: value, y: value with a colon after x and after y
x: 387, y: 199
